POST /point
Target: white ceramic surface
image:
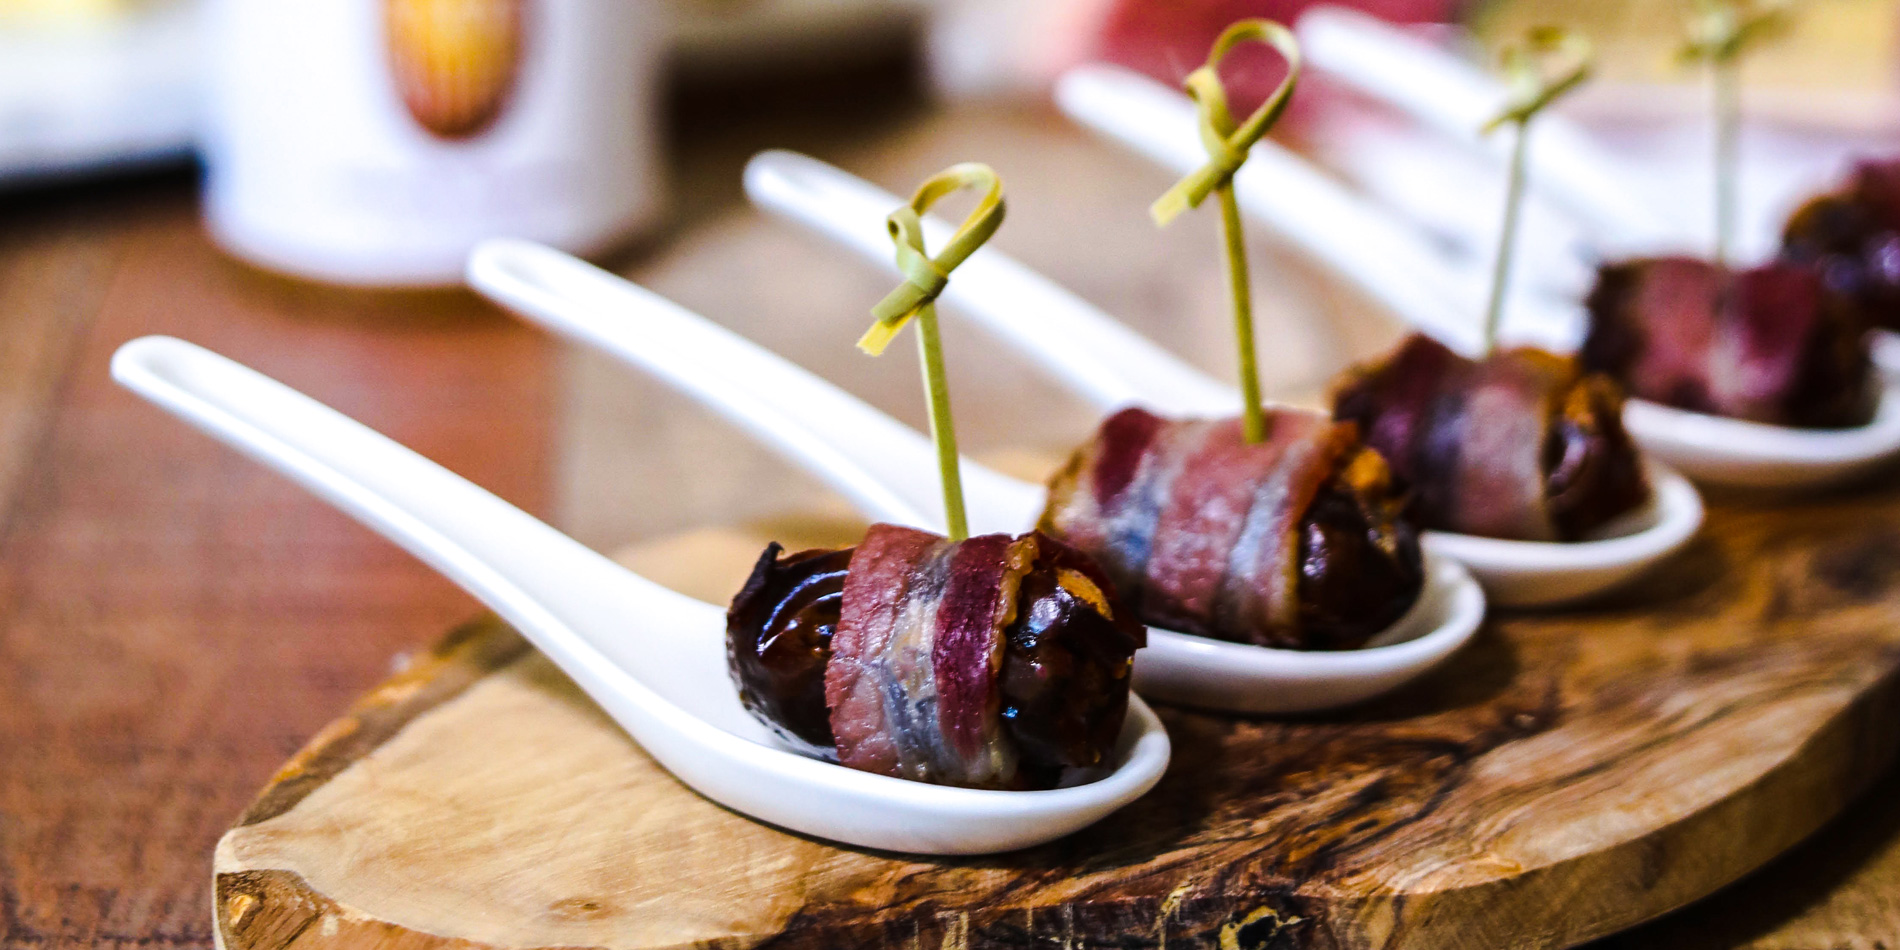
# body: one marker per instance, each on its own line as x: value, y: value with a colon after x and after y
x: 116, y: 88
x: 1543, y: 573
x: 653, y: 659
x: 1457, y: 98
x: 852, y: 447
x: 1359, y: 241
x: 1752, y: 455
x: 1643, y: 192
x: 1113, y: 365
x: 1885, y: 348
x: 1158, y: 122
x: 1514, y: 573
x: 325, y: 156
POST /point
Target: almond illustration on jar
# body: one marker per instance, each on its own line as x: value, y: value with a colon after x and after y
x: 454, y: 61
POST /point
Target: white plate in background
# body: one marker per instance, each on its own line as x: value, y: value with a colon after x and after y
x: 93, y: 94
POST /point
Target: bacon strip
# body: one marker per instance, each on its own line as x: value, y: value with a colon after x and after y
x: 1192, y: 523
x: 1876, y: 187
x: 1768, y: 344
x: 1851, y: 236
x: 1468, y: 436
x: 912, y: 682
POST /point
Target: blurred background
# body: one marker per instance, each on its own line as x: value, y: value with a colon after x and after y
x: 369, y: 144
x: 295, y: 183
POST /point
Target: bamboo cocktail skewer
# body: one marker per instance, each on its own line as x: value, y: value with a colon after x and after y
x: 1718, y: 34
x: 924, y: 279
x: 1227, y: 145
x: 1546, y: 64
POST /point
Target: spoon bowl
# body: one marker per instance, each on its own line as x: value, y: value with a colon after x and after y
x: 1742, y: 454
x: 653, y: 659
x: 1513, y: 573
x: 1322, y: 217
x: 883, y: 467
x: 1550, y: 573
x: 1215, y: 674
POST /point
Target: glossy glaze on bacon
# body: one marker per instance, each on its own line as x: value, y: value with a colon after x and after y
x: 1852, y: 238
x: 994, y: 663
x: 1295, y: 542
x: 1521, y: 445
x: 1768, y: 344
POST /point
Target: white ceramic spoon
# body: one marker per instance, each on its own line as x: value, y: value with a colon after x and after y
x: 1515, y: 573
x: 1457, y: 98
x: 653, y: 659
x: 1567, y: 163
x: 888, y: 471
x: 1357, y: 239
x: 1159, y: 123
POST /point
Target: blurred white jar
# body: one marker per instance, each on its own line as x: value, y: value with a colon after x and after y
x: 376, y: 141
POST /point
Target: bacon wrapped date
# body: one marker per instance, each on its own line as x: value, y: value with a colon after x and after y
x: 1769, y: 344
x: 1521, y: 445
x: 1852, y: 238
x: 1294, y: 542
x: 993, y: 662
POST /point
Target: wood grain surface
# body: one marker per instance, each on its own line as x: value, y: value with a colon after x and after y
x: 174, y: 621
x: 1565, y: 777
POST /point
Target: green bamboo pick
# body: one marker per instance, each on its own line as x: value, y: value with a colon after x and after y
x: 924, y: 279
x: 1227, y: 146
x: 1718, y: 33
x: 1549, y: 62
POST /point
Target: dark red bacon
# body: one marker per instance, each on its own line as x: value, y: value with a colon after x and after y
x: 912, y: 681
x: 1769, y: 344
x: 1852, y: 237
x: 994, y: 662
x: 1213, y: 536
x: 1520, y: 445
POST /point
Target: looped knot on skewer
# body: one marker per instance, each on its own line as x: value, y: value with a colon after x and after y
x: 1549, y: 62
x: 925, y: 277
x: 1226, y: 144
x: 1720, y: 29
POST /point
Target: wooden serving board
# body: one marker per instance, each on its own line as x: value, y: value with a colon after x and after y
x: 1567, y: 776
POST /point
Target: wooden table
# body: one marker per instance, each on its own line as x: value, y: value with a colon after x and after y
x: 174, y: 622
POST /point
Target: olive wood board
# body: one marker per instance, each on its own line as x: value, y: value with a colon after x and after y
x: 1566, y: 776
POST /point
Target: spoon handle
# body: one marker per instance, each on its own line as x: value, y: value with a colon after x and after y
x: 1456, y: 98
x: 1336, y: 227
x: 1093, y: 354
x: 652, y: 658
x: 594, y: 618
x: 1359, y: 241
x: 882, y: 466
